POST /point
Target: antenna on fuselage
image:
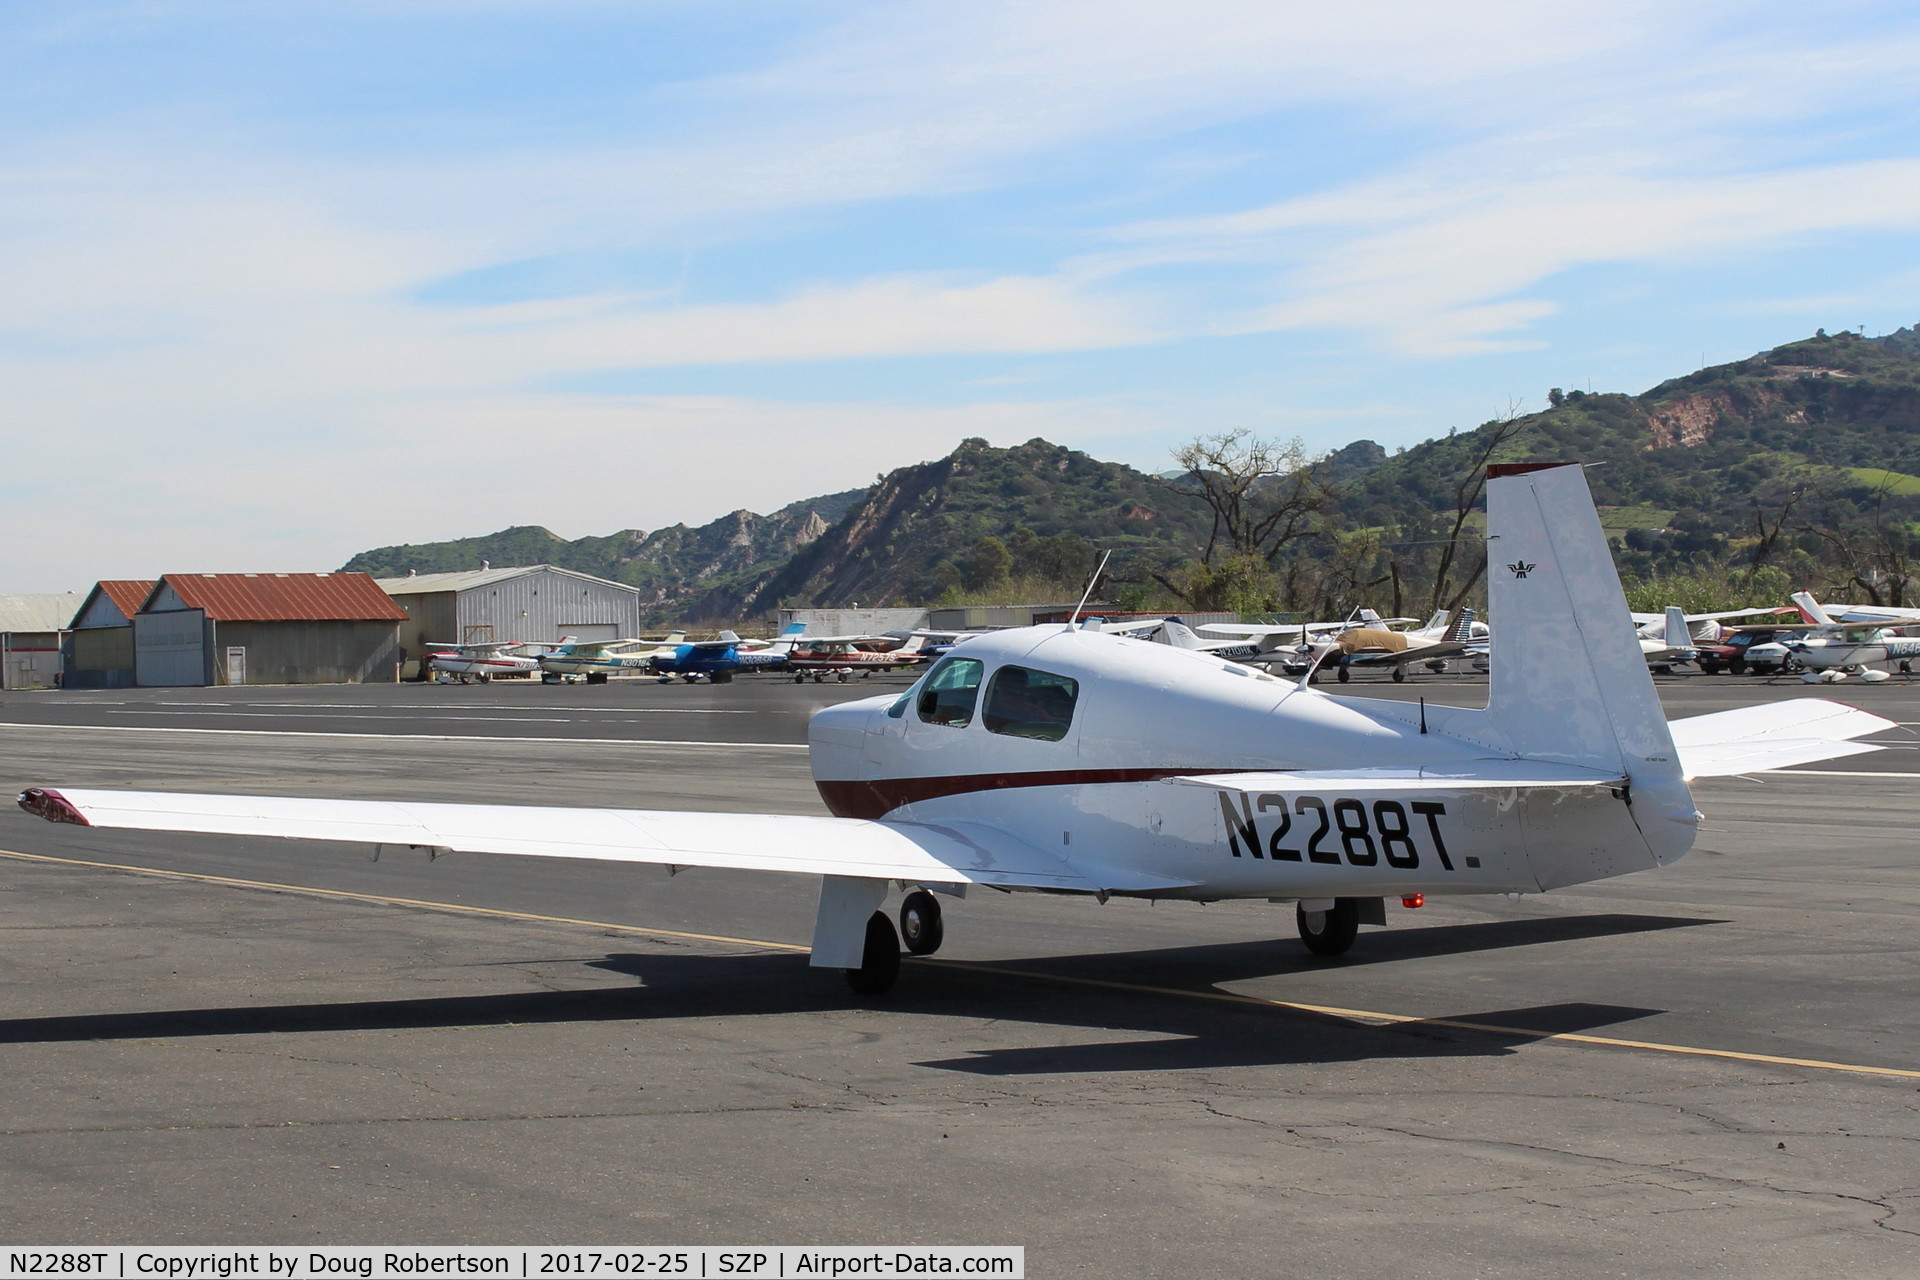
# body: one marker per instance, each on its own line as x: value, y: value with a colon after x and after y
x: 1092, y: 582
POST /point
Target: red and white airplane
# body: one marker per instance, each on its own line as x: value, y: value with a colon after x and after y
x: 841, y: 656
x: 1064, y: 759
x: 481, y: 660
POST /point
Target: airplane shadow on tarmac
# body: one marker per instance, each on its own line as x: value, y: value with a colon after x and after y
x: 1187, y: 1033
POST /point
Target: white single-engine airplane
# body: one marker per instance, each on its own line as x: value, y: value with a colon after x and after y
x: 1067, y: 760
x: 598, y: 659
x: 481, y: 660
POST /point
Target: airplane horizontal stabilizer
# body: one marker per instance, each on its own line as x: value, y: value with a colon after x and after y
x: 1773, y: 736
x: 1471, y: 775
x: 947, y: 853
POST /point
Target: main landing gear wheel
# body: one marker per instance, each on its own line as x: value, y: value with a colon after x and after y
x: 1399, y: 675
x: 879, y: 960
x: 1344, y: 675
x: 920, y: 926
x: 1326, y: 933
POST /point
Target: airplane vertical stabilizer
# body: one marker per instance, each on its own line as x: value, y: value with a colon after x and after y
x: 1675, y: 631
x: 1811, y: 609
x: 1569, y: 682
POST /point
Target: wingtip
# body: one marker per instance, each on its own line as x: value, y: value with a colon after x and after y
x: 44, y: 802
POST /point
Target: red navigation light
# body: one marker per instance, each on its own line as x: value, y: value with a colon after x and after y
x: 1412, y: 900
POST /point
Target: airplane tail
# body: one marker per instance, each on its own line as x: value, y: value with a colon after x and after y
x: 1810, y: 609
x: 1462, y: 628
x: 1677, y: 634
x: 1179, y: 635
x: 1437, y: 621
x: 1569, y: 680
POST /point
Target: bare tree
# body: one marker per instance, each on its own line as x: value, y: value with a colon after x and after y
x: 1262, y: 492
x: 1466, y: 496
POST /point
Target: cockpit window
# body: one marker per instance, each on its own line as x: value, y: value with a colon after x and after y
x: 950, y: 692
x: 1024, y: 703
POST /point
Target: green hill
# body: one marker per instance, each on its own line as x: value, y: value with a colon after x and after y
x: 1799, y: 465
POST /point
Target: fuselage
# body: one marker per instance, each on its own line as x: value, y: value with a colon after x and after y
x: 1103, y: 781
x: 483, y: 664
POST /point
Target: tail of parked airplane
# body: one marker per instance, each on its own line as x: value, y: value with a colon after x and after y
x: 1676, y: 632
x: 1552, y: 585
x: 1462, y: 628
x: 1810, y: 608
x: 1179, y: 635
x: 1437, y: 622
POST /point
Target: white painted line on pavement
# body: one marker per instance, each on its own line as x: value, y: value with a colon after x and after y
x: 416, y: 737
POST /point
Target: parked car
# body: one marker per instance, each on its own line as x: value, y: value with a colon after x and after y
x: 1730, y: 652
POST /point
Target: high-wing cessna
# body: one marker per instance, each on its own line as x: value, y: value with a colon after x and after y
x: 1891, y: 615
x: 1850, y: 647
x: 480, y: 660
x: 720, y: 660
x: 598, y: 659
x: 1067, y: 760
x: 841, y: 656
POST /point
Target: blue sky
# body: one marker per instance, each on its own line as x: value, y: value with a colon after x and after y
x: 288, y: 280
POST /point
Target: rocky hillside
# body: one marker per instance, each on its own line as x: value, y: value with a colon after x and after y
x: 685, y: 573
x: 910, y: 537
x: 1817, y: 441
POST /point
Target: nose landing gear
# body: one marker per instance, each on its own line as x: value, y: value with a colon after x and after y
x: 920, y: 925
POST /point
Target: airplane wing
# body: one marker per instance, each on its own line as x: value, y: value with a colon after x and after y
x: 944, y: 853
x: 1772, y: 736
x: 1643, y: 619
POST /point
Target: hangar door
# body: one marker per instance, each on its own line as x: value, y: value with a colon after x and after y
x: 170, y: 649
x: 591, y: 631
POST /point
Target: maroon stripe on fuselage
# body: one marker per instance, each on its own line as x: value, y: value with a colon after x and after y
x: 877, y: 797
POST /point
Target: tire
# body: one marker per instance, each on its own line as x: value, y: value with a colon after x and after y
x: 920, y: 924
x: 1737, y: 667
x: 1345, y: 675
x: 1709, y: 667
x: 1337, y: 928
x: 879, y: 959
x: 1399, y: 675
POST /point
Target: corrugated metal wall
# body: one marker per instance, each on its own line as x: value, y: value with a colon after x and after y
x: 854, y: 622
x: 170, y: 649
x: 539, y: 608
x: 309, y: 652
x: 99, y: 658
x: 29, y: 659
x: 432, y: 618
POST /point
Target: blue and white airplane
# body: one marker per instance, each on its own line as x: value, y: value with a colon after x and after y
x: 719, y: 660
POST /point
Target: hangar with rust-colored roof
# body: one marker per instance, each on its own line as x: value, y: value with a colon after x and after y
x: 266, y: 628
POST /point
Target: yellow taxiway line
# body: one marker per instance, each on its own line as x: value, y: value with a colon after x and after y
x: 1223, y: 997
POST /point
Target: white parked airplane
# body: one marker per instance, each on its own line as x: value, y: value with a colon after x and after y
x: 1700, y: 628
x: 1850, y: 647
x: 598, y: 659
x: 481, y: 660
x: 1067, y: 760
x: 1890, y: 615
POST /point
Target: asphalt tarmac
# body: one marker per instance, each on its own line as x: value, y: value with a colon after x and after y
x: 1709, y: 1070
